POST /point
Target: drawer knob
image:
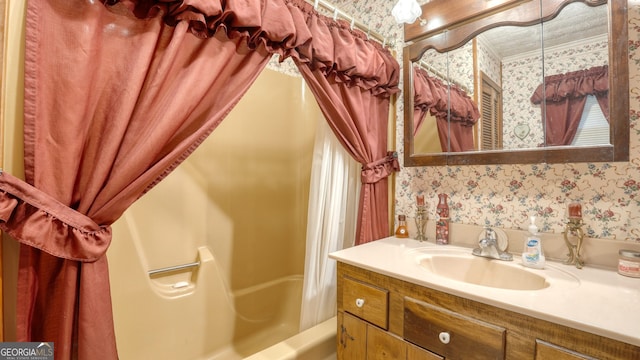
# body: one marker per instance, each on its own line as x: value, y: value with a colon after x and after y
x: 359, y: 302
x: 444, y: 337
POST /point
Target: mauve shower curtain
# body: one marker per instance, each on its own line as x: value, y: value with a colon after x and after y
x: 115, y: 98
x: 352, y: 79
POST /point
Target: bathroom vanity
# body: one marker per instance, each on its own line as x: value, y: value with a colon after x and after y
x: 397, y: 301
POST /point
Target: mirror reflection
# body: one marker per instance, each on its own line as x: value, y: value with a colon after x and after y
x: 517, y: 87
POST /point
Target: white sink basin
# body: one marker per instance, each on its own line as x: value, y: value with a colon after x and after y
x: 460, y: 265
x: 483, y: 271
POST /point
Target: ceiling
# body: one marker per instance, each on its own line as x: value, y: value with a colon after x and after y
x: 576, y: 21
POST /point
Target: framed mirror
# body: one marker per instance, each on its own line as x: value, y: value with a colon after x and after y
x: 494, y: 72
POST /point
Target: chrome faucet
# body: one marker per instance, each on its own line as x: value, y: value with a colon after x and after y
x: 488, y: 247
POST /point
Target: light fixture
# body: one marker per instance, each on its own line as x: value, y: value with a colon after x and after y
x: 406, y: 11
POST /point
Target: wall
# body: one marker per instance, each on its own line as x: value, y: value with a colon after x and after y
x: 488, y: 62
x: 504, y: 195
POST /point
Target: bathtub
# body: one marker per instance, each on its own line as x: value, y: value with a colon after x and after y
x: 191, y: 315
x: 316, y: 343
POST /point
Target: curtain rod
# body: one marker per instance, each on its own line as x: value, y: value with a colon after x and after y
x: 384, y: 40
x: 426, y: 66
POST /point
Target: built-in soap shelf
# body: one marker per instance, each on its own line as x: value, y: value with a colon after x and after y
x: 179, y: 279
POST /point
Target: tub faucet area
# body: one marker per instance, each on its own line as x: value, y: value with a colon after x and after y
x: 488, y: 246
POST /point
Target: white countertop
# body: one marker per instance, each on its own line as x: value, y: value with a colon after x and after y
x: 601, y: 302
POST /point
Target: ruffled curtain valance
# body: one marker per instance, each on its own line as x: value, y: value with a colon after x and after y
x: 575, y: 84
x: 344, y: 55
x: 456, y: 113
x: 563, y: 97
x: 440, y: 99
x: 289, y: 28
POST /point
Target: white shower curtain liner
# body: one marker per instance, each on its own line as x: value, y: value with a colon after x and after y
x: 331, y: 223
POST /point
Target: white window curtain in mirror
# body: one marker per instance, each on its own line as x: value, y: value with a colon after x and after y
x: 331, y: 223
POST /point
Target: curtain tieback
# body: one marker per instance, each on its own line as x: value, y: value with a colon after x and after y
x: 36, y: 219
x: 380, y: 169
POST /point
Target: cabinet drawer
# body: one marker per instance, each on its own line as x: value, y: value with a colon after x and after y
x: 450, y: 334
x: 418, y: 353
x: 547, y: 351
x: 366, y: 301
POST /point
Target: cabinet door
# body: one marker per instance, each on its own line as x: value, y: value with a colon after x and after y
x: 548, y: 351
x: 352, y: 337
x: 384, y: 346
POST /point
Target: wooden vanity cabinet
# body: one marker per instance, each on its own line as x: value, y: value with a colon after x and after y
x: 381, y: 317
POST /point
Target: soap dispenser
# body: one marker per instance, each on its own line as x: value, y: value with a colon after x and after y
x: 532, y: 254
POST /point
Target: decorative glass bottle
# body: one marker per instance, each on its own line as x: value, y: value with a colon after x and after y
x: 402, y: 231
x: 442, y: 224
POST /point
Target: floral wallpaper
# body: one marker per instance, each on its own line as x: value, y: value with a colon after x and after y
x: 505, y: 195
x: 521, y: 77
x: 488, y: 61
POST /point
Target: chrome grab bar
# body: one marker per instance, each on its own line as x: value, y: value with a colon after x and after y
x: 174, y: 268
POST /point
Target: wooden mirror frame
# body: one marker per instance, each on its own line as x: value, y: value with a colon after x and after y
x: 471, y: 18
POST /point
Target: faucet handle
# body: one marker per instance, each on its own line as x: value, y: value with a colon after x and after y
x: 496, y: 237
x: 487, y: 240
x: 492, y: 244
x: 489, y: 233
